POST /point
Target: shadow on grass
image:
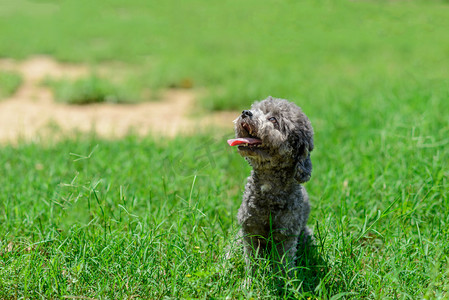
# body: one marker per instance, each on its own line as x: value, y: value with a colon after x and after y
x: 309, y: 274
x: 311, y: 269
x: 305, y: 280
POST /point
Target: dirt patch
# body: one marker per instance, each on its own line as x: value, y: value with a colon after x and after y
x: 32, y: 110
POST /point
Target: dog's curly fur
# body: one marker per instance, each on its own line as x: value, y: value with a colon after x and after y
x: 275, y: 206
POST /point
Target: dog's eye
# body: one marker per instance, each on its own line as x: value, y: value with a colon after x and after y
x: 273, y: 120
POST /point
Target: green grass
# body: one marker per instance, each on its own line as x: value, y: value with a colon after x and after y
x: 9, y: 83
x: 88, y: 90
x: 245, y: 51
x: 154, y: 218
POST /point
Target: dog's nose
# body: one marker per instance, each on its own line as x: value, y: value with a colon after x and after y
x: 246, y: 113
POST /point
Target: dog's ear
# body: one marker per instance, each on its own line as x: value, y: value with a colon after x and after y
x: 303, y: 170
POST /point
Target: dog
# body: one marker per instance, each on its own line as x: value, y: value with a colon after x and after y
x: 276, y: 139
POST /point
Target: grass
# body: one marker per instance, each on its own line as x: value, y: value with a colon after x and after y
x: 154, y: 218
x: 113, y: 230
x: 294, y: 50
x: 88, y: 90
x: 9, y: 83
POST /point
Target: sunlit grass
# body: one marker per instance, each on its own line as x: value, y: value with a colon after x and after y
x: 241, y: 52
x: 155, y: 218
x: 9, y: 83
x: 152, y: 219
x: 91, y: 89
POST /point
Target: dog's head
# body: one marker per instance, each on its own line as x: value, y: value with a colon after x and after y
x: 275, y: 134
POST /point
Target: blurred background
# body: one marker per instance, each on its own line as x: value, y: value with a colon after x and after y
x: 367, y: 59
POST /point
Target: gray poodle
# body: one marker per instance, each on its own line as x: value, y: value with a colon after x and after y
x: 276, y: 138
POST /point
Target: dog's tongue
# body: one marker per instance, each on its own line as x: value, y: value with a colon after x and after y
x: 239, y: 141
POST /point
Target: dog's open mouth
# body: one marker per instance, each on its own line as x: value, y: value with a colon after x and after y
x: 245, y: 142
x: 248, y: 142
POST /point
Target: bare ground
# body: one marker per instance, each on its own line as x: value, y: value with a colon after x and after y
x: 32, y: 111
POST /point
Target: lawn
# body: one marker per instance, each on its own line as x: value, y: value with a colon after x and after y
x: 241, y: 51
x: 9, y: 83
x: 152, y: 218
